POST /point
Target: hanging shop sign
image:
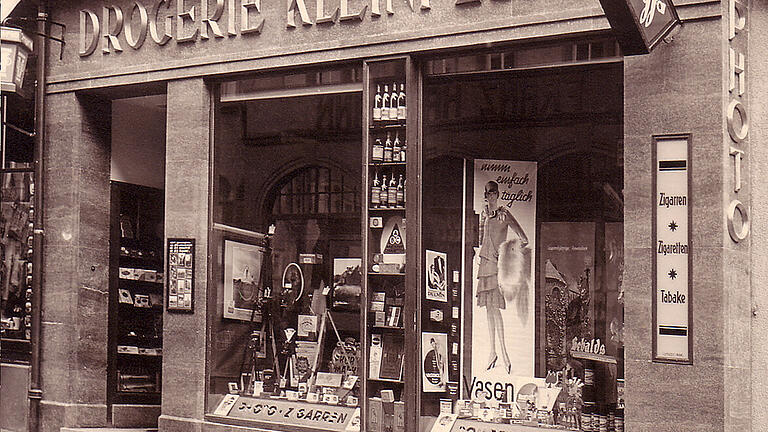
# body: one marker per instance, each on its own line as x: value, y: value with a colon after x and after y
x: 672, y: 257
x: 640, y: 25
x: 504, y: 203
x: 181, y: 275
x: 737, y: 118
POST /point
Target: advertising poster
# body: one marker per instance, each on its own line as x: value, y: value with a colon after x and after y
x: 434, y: 355
x: 437, y: 285
x: 566, y: 284
x: 242, y: 278
x: 180, y: 275
x: 503, y: 284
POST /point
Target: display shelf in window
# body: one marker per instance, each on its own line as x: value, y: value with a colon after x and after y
x: 387, y: 308
x: 388, y: 126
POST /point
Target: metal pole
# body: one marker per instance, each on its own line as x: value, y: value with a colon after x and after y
x: 41, y: 45
x: 4, y: 131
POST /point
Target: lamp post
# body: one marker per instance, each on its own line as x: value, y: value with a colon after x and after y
x: 15, y: 47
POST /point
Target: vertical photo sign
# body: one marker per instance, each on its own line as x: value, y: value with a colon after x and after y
x: 503, y: 284
x: 672, y: 264
x: 181, y: 275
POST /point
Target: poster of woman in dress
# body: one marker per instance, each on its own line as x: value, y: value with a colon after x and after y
x: 503, y: 280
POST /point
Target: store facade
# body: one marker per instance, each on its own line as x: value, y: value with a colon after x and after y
x: 401, y: 214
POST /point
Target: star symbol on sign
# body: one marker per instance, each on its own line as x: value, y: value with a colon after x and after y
x: 672, y: 274
x: 673, y: 226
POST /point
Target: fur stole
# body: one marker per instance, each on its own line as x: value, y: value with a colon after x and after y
x: 514, y: 271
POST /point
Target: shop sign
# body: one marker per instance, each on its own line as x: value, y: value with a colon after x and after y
x: 671, y: 248
x: 188, y: 22
x: 640, y: 24
x: 320, y: 417
x: 737, y: 116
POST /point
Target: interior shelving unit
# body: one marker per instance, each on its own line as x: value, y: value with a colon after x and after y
x: 135, y: 295
x: 389, y: 278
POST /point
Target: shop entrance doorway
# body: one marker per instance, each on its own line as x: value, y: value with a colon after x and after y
x: 136, y: 270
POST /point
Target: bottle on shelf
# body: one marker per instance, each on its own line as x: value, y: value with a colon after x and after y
x: 383, y: 193
x: 392, y: 192
x: 375, y: 192
x: 393, y: 101
x: 377, y: 104
x: 405, y: 190
x: 396, y: 148
x: 403, y: 149
x: 400, y: 192
x: 377, y: 151
x: 388, y: 149
x: 385, y: 104
x: 401, y: 110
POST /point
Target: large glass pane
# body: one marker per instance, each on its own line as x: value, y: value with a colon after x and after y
x: 16, y: 220
x: 286, y: 248
x: 522, y: 192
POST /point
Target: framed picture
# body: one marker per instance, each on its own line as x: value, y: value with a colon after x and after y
x: 242, y: 278
x: 436, y: 280
x: 347, y: 283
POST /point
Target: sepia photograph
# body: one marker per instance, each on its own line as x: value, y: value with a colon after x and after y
x: 383, y: 216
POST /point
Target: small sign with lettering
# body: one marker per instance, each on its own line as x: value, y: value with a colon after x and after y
x: 672, y: 250
x: 321, y: 417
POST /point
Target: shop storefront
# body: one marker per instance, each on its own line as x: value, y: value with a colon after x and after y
x: 397, y: 216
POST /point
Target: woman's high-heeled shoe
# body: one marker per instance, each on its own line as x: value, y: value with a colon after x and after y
x: 492, y: 364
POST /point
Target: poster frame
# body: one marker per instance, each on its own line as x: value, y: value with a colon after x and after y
x: 239, y: 314
x: 655, y: 140
x: 171, y: 242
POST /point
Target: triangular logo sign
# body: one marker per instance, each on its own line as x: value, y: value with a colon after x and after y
x: 395, y: 242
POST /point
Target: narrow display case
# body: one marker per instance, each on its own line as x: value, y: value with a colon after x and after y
x: 388, y: 301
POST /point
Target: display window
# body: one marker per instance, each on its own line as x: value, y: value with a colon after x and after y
x: 287, y: 247
x: 16, y: 218
x: 485, y: 294
x: 16, y: 222
x: 522, y: 231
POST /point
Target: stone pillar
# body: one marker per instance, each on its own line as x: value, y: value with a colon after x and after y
x: 75, y: 263
x: 680, y: 88
x: 186, y: 215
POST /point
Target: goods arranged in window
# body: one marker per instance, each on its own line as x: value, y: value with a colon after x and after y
x: 389, y: 102
x: 389, y: 149
x: 389, y: 192
x: 386, y: 254
x: 516, y: 317
x: 16, y: 226
x: 302, y: 347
